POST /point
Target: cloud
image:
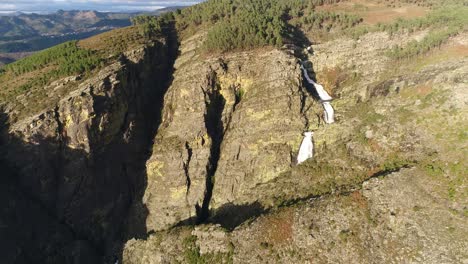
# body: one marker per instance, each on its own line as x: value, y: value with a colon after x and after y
x: 100, y: 5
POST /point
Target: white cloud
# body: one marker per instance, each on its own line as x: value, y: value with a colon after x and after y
x: 7, y: 6
x: 100, y: 5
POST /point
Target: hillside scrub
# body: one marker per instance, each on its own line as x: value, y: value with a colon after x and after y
x: 68, y: 57
x: 80, y: 57
x: 443, y: 22
x: 43, y: 67
x: 249, y: 24
x: 151, y: 26
x: 415, y: 48
x: 328, y: 20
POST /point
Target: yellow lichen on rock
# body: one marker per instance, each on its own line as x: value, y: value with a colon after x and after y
x: 178, y: 193
x: 154, y: 169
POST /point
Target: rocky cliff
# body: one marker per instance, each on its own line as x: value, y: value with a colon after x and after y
x: 170, y: 154
x: 82, y: 159
x: 386, y: 184
x: 225, y: 121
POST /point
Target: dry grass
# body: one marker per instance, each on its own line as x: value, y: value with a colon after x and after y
x: 115, y: 41
x: 331, y: 79
x: 386, y: 15
x: 277, y: 229
x: 374, y: 13
x: 359, y: 199
x: 454, y: 49
x: 374, y: 145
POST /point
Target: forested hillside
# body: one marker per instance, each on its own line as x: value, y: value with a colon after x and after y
x: 234, y: 25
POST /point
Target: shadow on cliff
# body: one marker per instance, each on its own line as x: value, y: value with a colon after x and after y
x: 32, y: 230
x: 231, y: 216
x: 159, y: 82
x: 67, y: 205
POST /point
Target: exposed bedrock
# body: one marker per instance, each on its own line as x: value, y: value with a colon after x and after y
x: 82, y: 161
x: 228, y: 125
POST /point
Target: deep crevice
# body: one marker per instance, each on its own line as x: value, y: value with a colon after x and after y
x: 156, y: 82
x: 61, y: 138
x: 94, y: 197
x: 304, y: 109
x: 238, y: 95
x: 215, y: 103
x: 187, y: 166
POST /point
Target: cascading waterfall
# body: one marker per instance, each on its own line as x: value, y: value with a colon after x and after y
x: 325, y: 98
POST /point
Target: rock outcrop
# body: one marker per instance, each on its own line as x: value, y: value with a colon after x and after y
x: 373, y: 193
x: 374, y: 224
x: 83, y: 159
x: 236, y: 121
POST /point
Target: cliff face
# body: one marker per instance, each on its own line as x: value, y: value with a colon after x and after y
x: 163, y: 158
x: 225, y: 122
x: 386, y: 183
x: 82, y: 160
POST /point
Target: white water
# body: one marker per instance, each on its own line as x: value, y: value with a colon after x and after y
x: 329, y: 113
x: 306, y: 151
x: 324, y: 96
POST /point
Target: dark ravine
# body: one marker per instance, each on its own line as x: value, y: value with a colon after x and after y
x: 187, y: 165
x: 30, y: 230
x: 157, y: 78
x: 215, y: 104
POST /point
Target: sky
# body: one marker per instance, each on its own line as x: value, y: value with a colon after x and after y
x: 9, y: 6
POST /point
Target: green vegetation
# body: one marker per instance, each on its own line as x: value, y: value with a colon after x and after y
x: 25, y: 84
x: 395, y: 162
x: 252, y: 29
x: 192, y: 253
x: 414, y: 48
x: 63, y: 60
x: 68, y: 57
x: 452, y: 174
x: 442, y: 23
x: 151, y: 26
x: 237, y: 24
x: 327, y: 20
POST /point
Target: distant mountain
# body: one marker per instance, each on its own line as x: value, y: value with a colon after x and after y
x: 62, y: 22
x: 21, y: 32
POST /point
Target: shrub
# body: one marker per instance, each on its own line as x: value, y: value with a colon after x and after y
x: 242, y: 24
x: 68, y: 59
